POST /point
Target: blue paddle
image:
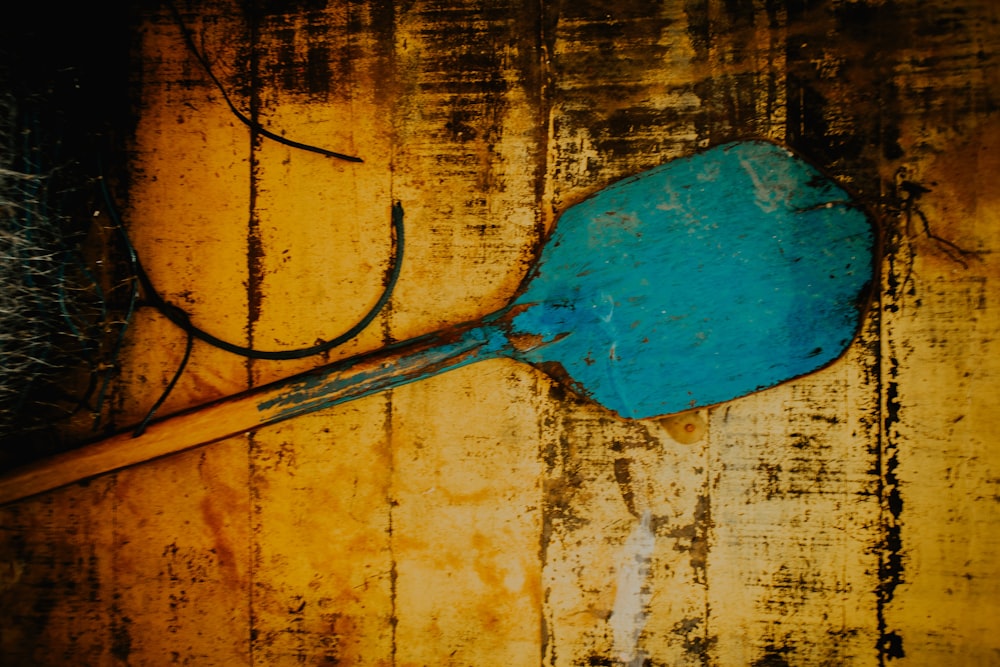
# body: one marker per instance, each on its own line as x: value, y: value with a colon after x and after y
x: 693, y: 283
x: 699, y: 281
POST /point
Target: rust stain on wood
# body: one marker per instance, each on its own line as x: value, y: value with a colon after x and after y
x: 488, y: 517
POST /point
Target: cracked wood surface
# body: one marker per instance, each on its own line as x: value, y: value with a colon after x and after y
x: 485, y: 517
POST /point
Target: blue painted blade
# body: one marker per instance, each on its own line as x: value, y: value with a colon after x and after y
x: 699, y: 281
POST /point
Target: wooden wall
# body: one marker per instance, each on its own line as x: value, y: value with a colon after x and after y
x: 485, y: 517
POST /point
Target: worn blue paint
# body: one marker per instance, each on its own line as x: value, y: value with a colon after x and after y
x: 389, y: 367
x: 693, y: 283
x: 704, y: 279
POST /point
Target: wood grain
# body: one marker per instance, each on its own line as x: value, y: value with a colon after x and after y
x: 486, y: 517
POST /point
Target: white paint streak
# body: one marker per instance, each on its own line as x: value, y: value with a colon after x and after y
x: 610, y: 301
x: 767, y: 196
x: 632, y: 595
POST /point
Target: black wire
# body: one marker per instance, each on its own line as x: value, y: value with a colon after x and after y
x: 252, y: 124
x: 133, y: 299
x: 180, y: 318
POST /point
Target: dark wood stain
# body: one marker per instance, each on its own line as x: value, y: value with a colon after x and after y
x: 842, y: 73
x: 693, y: 538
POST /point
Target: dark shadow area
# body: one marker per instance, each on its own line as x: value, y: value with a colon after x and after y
x: 65, y: 116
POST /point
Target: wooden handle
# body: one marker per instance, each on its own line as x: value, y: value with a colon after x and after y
x: 268, y: 404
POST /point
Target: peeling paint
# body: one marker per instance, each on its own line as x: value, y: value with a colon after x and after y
x: 490, y: 515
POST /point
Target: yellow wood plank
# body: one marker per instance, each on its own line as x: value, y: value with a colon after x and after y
x: 469, y: 167
x: 940, y: 348
x: 180, y: 561
x: 321, y: 239
x: 484, y: 516
x: 469, y: 158
x: 323, y: 574
x: 186, y: 211
x: 466, y: 518
x: 56, y: 580
x: 793, y: 563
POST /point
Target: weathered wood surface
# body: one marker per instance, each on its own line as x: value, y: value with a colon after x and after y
x: 483, y: 517
x: 613, y: 307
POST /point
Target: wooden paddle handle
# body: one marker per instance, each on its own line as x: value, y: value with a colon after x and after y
x: 313, y: 390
